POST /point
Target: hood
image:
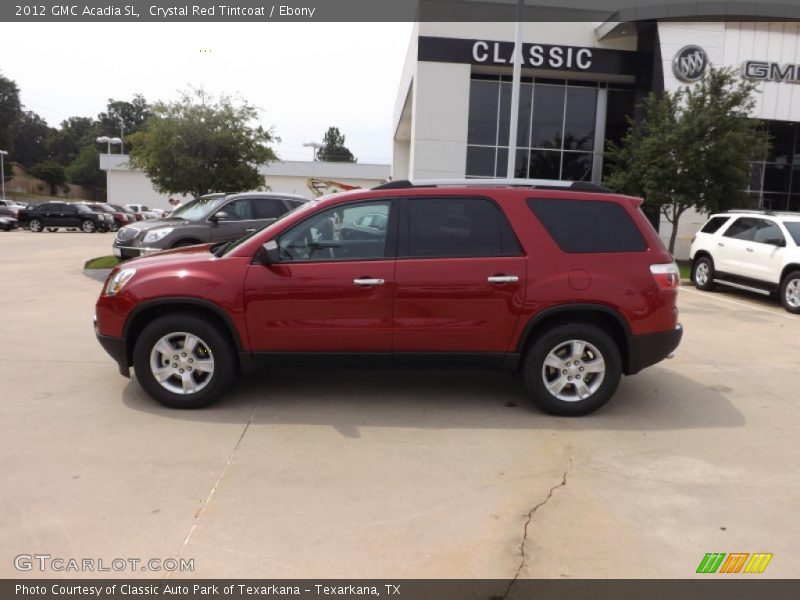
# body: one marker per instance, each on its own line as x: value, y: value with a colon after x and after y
x: 176, y: 255
x: 148, y: 224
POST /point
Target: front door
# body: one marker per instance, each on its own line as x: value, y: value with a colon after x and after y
x: 332, y: 290
x: 460, y: 278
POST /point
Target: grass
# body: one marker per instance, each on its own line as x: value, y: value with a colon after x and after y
x: 685, y: 269
x: 101, y: 262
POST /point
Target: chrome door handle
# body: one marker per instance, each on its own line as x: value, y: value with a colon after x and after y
x: 251, y: 230
x: 749, y: 249
x: 720, y: 244
x: 366, y: 281
x: 502, y: 279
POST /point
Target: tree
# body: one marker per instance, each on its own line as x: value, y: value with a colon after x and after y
x: 73, y: 135
x: 51, y: 172
x: 333, y: 149
x: 10, y: 110
x: 85, y: 169
x: 134, y: 115
x: 200, y: 144
x: 691, y: 148
x: 31, y: 137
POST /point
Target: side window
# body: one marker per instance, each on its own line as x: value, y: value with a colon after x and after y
x: 294, y: 203
x: 588, y: 226
x: 743, y: 228
x: 238, y: 210
x: 454, y: 227
x: 768, y: 233
x: 69, y: 209
x: 267, y: 208
x: 714, y: 224
x: 335, y: 235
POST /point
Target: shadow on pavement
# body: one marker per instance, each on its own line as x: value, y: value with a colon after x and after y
x: 655, y: 400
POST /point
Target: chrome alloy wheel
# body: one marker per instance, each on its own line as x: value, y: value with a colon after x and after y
x: 701, y: 274
x: 182, y: 363
x: 573, y: 370
x: 792, y: 293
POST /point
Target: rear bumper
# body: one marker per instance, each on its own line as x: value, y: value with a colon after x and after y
x: 646, y: 350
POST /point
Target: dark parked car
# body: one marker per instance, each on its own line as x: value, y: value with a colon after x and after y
x: 53, y: 215
x: 120, y: 218
x: 567, y: 285
x: 132, y: 216
x: 212, y: 218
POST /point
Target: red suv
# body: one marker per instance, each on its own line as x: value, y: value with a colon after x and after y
x: 566, y: 284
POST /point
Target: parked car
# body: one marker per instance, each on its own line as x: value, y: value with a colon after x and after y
x: 7, y: 223
x: 9, y: 211
x: 53, y: 215
x: 566, y: 284
x: 121, y: 218
x: 132, y: 216
x: 758, y: 251
x: 145, y: 211
x: 12, y: 204
x: 212, y: 218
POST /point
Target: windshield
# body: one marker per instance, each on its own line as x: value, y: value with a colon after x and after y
x: 199, y: 208
x: 794, y: 230
x: 230, y: 246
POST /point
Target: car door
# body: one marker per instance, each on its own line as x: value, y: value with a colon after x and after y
x: 731, y: 255
x: 69, y: 217
x: 764, y: 260
x: 327, y: 294
x: 50, y: 214
x: 232, y: 220
x: 460, y: 278
x: 266, y: 211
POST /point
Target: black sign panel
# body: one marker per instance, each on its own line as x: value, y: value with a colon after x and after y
x: 538, y: 56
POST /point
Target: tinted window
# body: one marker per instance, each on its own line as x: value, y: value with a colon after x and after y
x: 714, y: 224
x: 334, y: 234
x: 449, y: 227
x: 267, y: 208
x: 768, y: 233
x: 588, y: 225
x: 743, y: 228
x: 238, y: 210
x: 794, y: 230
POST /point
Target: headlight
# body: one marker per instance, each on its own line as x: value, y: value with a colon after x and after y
x: 157, y: 234
x: 118, y: 281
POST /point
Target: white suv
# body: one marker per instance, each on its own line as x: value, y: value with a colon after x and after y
x: 752, y: 250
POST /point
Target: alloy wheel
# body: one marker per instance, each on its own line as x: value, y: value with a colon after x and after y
x: 573, y: 370
x: 182, y: 363
x: 792, y: 293
x: 701, y: 273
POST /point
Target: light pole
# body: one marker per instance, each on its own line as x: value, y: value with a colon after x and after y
x: 104, y: 139
x: 121, y: 135
x: 3, y: 154
x: 315, y: 146
x: 114, y: 142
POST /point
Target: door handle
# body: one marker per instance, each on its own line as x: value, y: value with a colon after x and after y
x: 720, y: 244
x: 749, y: 249
x: 366, y: 281
x: 251, y: 230
x: 502, y: 279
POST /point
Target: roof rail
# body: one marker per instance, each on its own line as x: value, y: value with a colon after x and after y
x: 750, y: 211
x: 552, y: 184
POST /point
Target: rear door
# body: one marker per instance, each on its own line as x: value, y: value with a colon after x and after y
x: 764, y: 260
x: 232, y: 221
x: 731, y: 254
x: 460, y: 277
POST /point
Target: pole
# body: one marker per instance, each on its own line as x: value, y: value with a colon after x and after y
x: 515, y: 85
x: 121, y: 136
x: 3, y: 173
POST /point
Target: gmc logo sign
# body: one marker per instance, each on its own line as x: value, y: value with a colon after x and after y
x: 760, y: 70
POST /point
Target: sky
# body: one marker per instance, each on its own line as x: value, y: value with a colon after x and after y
x: 304, y: 77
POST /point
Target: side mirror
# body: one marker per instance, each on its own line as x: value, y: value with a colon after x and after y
x: 219, y: 216
x: 269, y: 253
x: 779, y: 242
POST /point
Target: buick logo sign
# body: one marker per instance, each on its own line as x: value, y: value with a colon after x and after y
x: 690, y: 63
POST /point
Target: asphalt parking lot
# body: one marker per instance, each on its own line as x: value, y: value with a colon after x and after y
x: 396, y: 475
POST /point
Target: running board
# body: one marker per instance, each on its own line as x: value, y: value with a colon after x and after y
x: 743, y: 287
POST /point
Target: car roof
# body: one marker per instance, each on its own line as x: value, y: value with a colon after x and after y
x: 262, y: 195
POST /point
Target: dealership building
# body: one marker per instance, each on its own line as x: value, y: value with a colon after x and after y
x: 580, y: 81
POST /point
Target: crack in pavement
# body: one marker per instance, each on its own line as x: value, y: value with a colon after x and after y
x: 528, y: 519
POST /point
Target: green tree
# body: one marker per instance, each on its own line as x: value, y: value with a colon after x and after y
x: 51, y: 172
x: 31, y: 137
x: 333, y: 149
x: 133, y: 114
x: 691, y: 148
x: 71, y: 137
x: 85, y: 169
x: 10, y: 110
x: 201, y: 144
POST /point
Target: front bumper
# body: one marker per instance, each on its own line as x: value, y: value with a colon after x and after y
x: 651, y: 348
x: 134, y: 251
x: 116, y: 348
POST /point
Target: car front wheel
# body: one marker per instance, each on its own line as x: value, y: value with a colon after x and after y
x: 87, y: 227
x: 572, y: 369
x: 790, y: 292
x: 703, y: 274
x: 35, y: 225
x: 183, y: 361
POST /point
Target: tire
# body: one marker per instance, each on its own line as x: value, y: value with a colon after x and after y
x: 212, y: 343
x: 35, y: 225
x: 113, y: 227
x: 558, y: 345
x: 790, y: 292
x: 703, y: 273
x: 88, y: 227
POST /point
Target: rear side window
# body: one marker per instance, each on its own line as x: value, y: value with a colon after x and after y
x: 267, y: 208
x: 588, y: 226
x: 743, y: 228
x: 713, y: 224
x: 456, y: 227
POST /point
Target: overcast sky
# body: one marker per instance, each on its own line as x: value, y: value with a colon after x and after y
x: 304, y: 76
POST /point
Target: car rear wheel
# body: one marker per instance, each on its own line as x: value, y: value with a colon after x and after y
x: 183, y: 361
x: 703, y: 274
x: 88, y: 227
x: 35, y: 225
x: 790, y: 292
x: 572, y: 369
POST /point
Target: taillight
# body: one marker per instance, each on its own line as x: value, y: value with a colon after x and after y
x: 667, y: 276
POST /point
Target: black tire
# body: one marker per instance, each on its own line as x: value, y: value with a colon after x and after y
x: 113, y: 227
x: 789, y: 284
x: 88, y: 226
x: 36, y: 225
x: 706, y: 266
x: 558, y: 338
x: 218, y: 346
